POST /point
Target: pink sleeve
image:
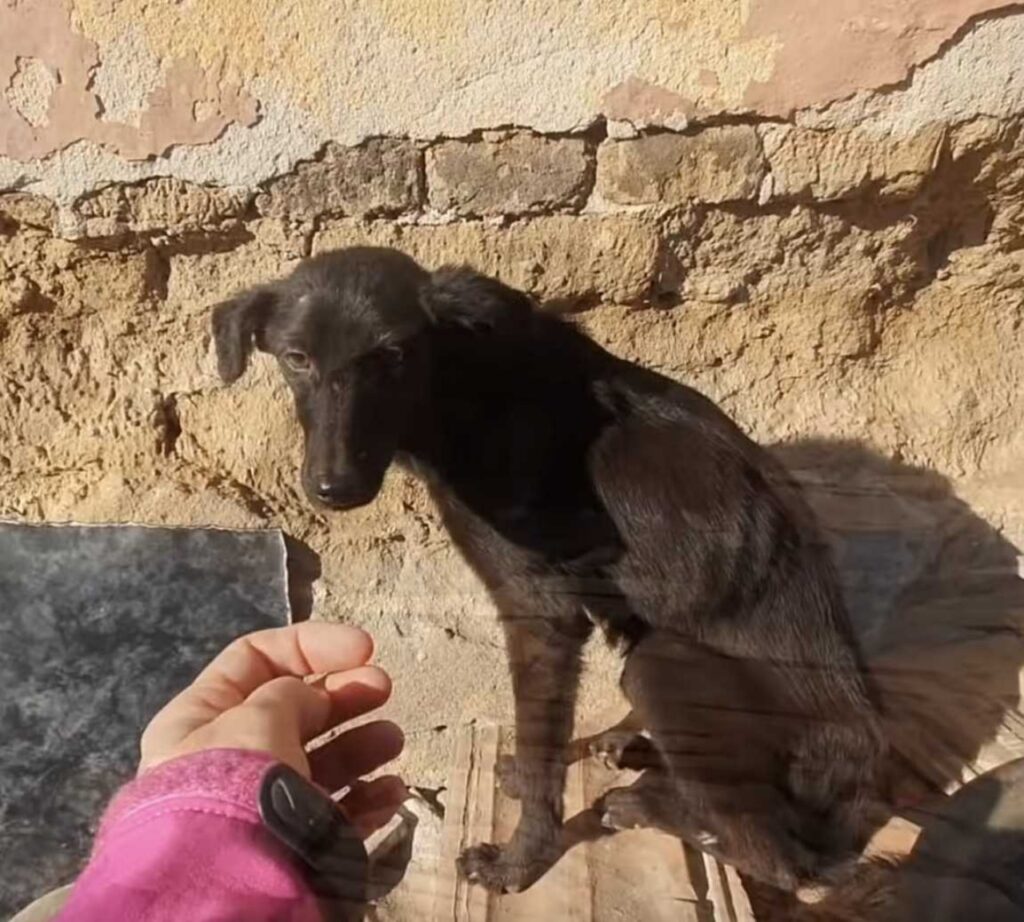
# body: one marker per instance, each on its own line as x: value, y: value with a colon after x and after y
x: 185, y: 841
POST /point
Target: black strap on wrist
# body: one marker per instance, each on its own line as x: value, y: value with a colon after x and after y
x: 327, y: 847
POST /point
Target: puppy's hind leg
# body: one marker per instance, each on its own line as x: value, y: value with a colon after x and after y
x: 654, y: 801
x: 744, y: 828
x: 621, y: 746
x: 710, y: 718
x: 835, y: 774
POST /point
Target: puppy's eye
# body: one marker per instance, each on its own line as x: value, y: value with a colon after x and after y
x: 389, y: 355
x: 295, y: 360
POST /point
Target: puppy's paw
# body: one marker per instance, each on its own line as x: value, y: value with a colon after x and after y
x: 502, y: 869
x: 491, y: 867
x: 621, y: 809
x: 506, y: 772
x: 618, y: 749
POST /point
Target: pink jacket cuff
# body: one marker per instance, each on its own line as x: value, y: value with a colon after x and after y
x: 185, y: 841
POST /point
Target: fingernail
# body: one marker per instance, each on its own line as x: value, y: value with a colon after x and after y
x: 334, y: 680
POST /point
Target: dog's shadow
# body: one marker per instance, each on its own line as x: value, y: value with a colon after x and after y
x: 937, y: 605
x: 936, y: 602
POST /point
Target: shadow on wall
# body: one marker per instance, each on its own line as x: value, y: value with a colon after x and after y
x: 304, y: 569
x: 937, y: 604
x: 935, y: 598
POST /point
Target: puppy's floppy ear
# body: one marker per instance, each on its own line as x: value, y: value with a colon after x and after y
x: 458, y: 295
x: 236, y: 324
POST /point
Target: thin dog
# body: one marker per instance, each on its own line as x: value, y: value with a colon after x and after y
x: 584, y: 489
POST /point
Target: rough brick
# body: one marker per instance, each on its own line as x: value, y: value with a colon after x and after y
x: 199, y: 280
x: 163, y: 205
x: 720, y: 164
x: 523, y: 174
x: 830, y: 165
x: 557, y: 257
x: 380, y: 177
x: 25, y: 209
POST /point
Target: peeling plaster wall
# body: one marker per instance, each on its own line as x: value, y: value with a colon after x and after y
x: 234, y: 93
x: 816, y: 217
x: 190, y: 106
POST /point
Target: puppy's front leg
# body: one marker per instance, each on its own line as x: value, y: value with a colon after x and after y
x: 544, y: 654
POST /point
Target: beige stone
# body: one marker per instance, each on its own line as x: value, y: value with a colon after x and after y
x: 521, y: 175
x: 715, y: 165
x: 775, y: 257
x: 831, y: 165
x: 22, y: 296
x: 558, y: 258
x: 225, y: 103
x: 380, y: 177
x: 31, y: 210
x: 198, y: 280
x: 158, y: 206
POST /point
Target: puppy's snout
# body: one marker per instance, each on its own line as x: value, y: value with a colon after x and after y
x: 331, y: 491
x: 342, y: 492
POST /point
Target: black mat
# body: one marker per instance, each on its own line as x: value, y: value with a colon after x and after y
x: 99, y: 627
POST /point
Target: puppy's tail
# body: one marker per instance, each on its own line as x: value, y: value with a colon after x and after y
x: 836, y: 776
x: 849, y: 802
x: 867, y: 893
x: 861, y: 891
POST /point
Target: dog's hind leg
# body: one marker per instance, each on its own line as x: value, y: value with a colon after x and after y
x: 741, y: 827
x: 655, y: 801
x: 711, y: 718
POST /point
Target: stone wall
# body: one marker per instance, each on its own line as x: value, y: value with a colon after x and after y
x: 831, y: 253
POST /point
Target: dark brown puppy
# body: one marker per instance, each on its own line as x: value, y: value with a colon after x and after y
x: 584, y: 489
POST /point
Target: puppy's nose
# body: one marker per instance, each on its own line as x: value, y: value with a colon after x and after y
x: 343, y: 492
x: 332, y: 491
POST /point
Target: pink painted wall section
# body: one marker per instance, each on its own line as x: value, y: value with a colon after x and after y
x: 830, y: 50
x: 191, y: 107
x: 236, y: 92
x: 824, y: 52
x: 644, y: 103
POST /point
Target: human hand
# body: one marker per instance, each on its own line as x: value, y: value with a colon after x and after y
x: 254, y: 696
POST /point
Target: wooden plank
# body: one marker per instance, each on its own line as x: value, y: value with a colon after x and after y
x: 481, y: 828
x: 562, y: 893
x: 895, y: 839
x: 640, y: 874
x: 738, y: 899
x: 457, y: 818
x: 577, y: 871
x: 727, y: 893
x: 404, y: 877
x: 643, y: 874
